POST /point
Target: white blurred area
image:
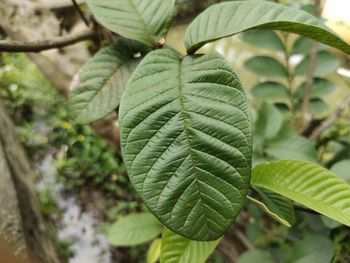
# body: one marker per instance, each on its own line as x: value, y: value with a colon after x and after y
x: 337, y: 15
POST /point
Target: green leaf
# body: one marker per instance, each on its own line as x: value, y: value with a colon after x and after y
x: 266, y: 66
x: 230, y: 18
x: 255, y: 255
x: 317, y: 106
x: 280, y: 208
x: 153, y: 253
x: 177, y: 249
x: 186, y: 141
x: 100, y: 83
x: 266, y: 39
x: 306, y: 183
x: 143, y: 20
x: 325, y: 63
x: 321, y: 87
x: 302, y: 45
x: 269, y: 121
x: 134, y: 229
x: 312, y: 249
x: 342, y: 169
x: 270, y: 91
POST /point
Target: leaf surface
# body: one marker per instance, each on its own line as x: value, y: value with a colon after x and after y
x: 270, y: 91
x: 308, y: 184
x: 143, y: 20
x: 101, y: 81
x: 266, y: 66
x: 133, y: 229
x: 186, y: 141
x: 177, y: 249
x: 230, y: 18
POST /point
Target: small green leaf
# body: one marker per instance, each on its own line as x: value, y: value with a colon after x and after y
x: 270, y: 91
x: 143, y: 20
x: 302, y: 45
x: 101, y: 82
x: 266, y: 39
x: 230, y: 18
x: 325, y: 63
x: 266, y: 66
x: 134, y: 229
x: 153, y: 253
x: 255, y: 255
x: 269, y: 121
x: 186, y: 141
x: 281, y: 208
x: 342, y: 169
x: 308, y: 184
x: 177, y: 249
x: 317, y: 106
x: 320, y: 88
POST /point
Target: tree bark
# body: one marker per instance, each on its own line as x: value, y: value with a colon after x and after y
x: 41, y: 242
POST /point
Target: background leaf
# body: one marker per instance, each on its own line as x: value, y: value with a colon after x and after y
x: 101, y: 81
x: 186, y: 141
x: 255, y: 255
x: 153, y: 253
x: 266, y: 66
x: 142, y: 20
x: 342, y: 169
x: 270, y: 91
x: 325, y: 63
x: 302, y: 45
x: 321, y: 87
x: 230, y: 18
x: 308, y: 184
x: 177, y: 249
x: 266, y: 39
x: 134, y: 229
x: 269, y: 121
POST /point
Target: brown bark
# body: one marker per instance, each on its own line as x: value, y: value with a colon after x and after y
x: 41, y: 243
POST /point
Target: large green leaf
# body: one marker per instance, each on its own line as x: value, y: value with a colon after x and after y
x: 308, y: 184
x: 177, y: 249
x: 267, y: 39
x: 270, y: 91
x: 230, y: 18
x: 186, y: 141
x: 101, y: 81
x: 144, y: 20
x: 325, y: 63
x: 134, y: 229
x: 266, y: 66
x: 280, y: 208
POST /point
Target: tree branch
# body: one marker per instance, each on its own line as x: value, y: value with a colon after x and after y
x: 310, y: 75
x: 38, y: 46
x: 331, y: 119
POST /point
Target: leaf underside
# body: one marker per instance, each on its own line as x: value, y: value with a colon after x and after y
x: 177, y: 249
x: 308, y: 184
x: 143, y: 20
x: 186, y: 141
x: 230, y: 18
x: 101, y: 82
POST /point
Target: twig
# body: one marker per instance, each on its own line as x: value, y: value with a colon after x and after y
x: 245, y: 241
x: 38, y: 46
x: 77, y: 7
x: 331, y: 119
x: 310, y: 75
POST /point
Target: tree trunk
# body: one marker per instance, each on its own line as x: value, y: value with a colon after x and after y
x: 41, y: 242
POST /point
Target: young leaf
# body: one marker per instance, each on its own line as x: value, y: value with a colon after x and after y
x: 325, y: 63
x: 177, y: 249
x: 230, y: 18
x: 308, y: 184
x: 277, y: 206
x: 146, y: 21
x: 186, y: 141
x: 270, y: 91
x: 266, y: 66
x: 320, y: 88
x: 134, y: 229
x: 267, y: 39
x: 101, y: 81
x: 153, y: 253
